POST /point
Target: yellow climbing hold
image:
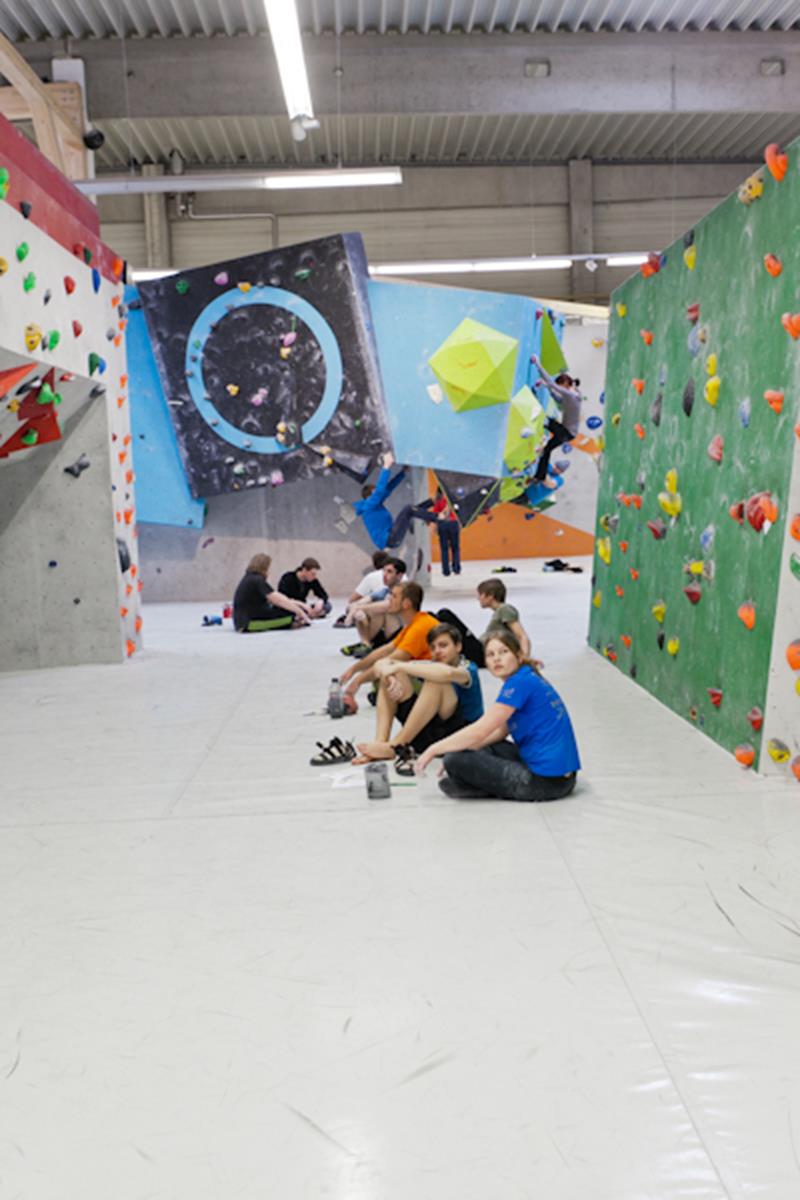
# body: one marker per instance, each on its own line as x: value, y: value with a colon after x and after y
x: 697, y: 567
x: 615, y: 419
x: 659, y: 611
x: 601, y: 442
x: 622, y: 309
x: 597, y: 599
x: 244, y: 287
x: 33, y: 336
x: 232, y: 389
x: 3, y: 265
x: 778, y: 751
x: 690, y: 256
x: 604, y: 549
x: 671, y: 481
x: 673, y: 646
x: 711, y: 390
x: 711, y: 364
x: 598, y: 342
x: 672, y: 505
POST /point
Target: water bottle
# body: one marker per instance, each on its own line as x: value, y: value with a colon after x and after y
x: 335, y: 699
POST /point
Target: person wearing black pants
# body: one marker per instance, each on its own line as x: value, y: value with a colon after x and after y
x: 565, y: 391
x: 540, y: 763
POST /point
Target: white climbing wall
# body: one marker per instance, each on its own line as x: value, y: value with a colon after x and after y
x: 64, y: 597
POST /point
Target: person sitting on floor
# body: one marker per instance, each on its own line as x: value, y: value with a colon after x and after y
x: 431, y: 699
x: 372, y: 505
x: 492, y: 595
x: 540, y: 763
x: 375, y: 622
x: 304, y: 582
x: 405, y: 600
x: 258, y: 607
x: 371, y: 581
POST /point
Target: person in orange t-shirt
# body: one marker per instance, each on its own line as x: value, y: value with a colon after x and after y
x: 411, y: 641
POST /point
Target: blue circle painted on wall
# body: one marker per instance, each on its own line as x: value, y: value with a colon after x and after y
x: 276, y: 298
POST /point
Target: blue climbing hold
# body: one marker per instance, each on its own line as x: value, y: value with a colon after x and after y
x: 594, y: 422
x: 95, y: 279
x: 602, y: 397
x: 744, y: 412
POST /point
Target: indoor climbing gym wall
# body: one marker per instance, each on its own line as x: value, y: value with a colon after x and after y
x: 697, y: 559
x: 68, y: 555
x: 269, y: 366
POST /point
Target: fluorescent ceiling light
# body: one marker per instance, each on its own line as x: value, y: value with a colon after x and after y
x: 284, y: 29
x: 240, y: 181
x: 475, y: 266
x: 146, y: 274
x: 625, y: 260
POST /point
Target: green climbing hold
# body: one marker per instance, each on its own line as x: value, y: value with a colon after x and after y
x: 96, y: 363
x: 29, y: 282
x: 794, y: 565
x: 46, y: 394
x: 23, y: 250
x: 302, y: 273
x: 197, y: 344
x: 30, y: 437
x: 87, y: 255
x: 5, y: 182
x: 182, y: 286
x: 52, y: 339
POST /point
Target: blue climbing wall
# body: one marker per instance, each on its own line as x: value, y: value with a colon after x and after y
x: 162, y: 490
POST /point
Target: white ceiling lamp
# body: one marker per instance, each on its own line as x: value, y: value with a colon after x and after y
x: 474, y: 266
x: 284, y: 29
x: 241, y: 181
x: 625, y: 260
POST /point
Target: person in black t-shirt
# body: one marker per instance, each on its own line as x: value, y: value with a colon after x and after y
x: 257, y: 606
x: 302, y: 583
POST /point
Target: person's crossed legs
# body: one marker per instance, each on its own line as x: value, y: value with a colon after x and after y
x: 396, y: 698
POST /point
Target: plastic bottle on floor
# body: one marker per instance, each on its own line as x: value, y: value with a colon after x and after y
x: 335, y: 699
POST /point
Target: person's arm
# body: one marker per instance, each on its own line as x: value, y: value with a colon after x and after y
x: 492, y: 727
x: 424, y: 669
x: 318, y: 590
x: 556, y: 390
x: 399, y: 477
x: 519, y: 633
x: 295, y: 607
x: 363, y: 665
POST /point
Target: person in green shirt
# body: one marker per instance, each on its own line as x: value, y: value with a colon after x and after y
x: 492, y: 595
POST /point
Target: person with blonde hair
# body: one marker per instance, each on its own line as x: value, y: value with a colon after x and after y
x: 257, y: 606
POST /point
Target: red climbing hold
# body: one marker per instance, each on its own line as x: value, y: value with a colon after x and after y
x: 747, y: 614
x: 638, y: 386
x: 775, y: 401
x: 657, y: 528
x: 761, y: 510
x: 693, y: 593
x: 634, y: 574
x: 77, y: 328
x: 626, y: 640
x: 640, y: 431
x: 791, y: 323
x: 652, y: 266
x: 777, y: 161
x: 646, y: 336
x: 715, y: 696
x: 756, y: 718
x: 623, y: 547
x: 693, y: 312
x: 716, y: 448
x: 773, y: 265
x: 69, y: 284
x: 620, y: 591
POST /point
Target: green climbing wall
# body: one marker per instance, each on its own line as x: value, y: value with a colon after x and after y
x: 665, y: 452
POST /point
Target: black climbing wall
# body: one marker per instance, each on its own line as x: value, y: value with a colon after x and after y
x: 244, y: 351
x: 696, y: 454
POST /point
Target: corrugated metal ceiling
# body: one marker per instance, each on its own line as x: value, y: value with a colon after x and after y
x: 36, y: 19
x: 448, y: 140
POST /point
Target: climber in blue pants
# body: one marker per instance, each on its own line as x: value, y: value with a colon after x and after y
x: 372, y: 506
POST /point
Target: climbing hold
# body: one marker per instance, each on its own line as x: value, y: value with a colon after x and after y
x: 747, y: 614
x: 619, y: 590
x: 52, y: 339
x: 660, y: 639
x: 752, y: 188
x: 221, y: 278
x: 655, y: 411
x: 744, y: 412
x: 47, y: 297
x: 736, y: 511
x: 711, y: 364
x: 693, y: 593
x: 87, y: 255
x: 795, y: 767
x: 276, y: 478
x: 778, y: 751
x: 96, y: 363
x: 598, y: 342
x: 794, y: 528
x: 640, y: 430
x: 794, y: 565
x: 693, y: 312
x: 622, y: 309
x: 638, y: 386
x: 181, y: 286
x: 672, y: 505
x: 30, y: 437
x: 3, y: 265
x: 77, y: 328
x: 657, y: 528
x: 716, y: 448
x: 777, y: 161
x: 775, y: 400
x: 626, y: 640
x: 615, y: 419
x: 696, y: 567
x: 756, y: 718
x: 624, y: 549
x: 773, y: 265
x: 659, y: 611
x: 47, y: 395
x: 29, y: 282
x: 244, y: 287
x: 609, y: 523
x: 707, y: 538
x: 33, y: 337
x: 671, y: 481
x: 791, y: 323
x: 690, y: 257
x: 285, y: 352
x: 745, y: 754
x: 95, y: 279
x: 761, y: 511
x: 715, y: 696
x: 232, y: 389
x: 23, y: 249
x: 711, y: 390
x: 673, y: 646
x: 117, y: 267
x: 634, y: 574
x: 5, y: 182
x: 646, y: 336
x: 594, y: 422
x: 688, y: 398
x: 597, y: 599
x: 652, y: 266
x: 130, y: 647
x: 793, y: 654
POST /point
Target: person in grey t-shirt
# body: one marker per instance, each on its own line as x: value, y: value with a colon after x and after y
x: 492, y: 595
x: 566, y: 392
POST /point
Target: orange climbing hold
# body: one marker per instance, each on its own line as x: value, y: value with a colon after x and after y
x: 773, y: 265
x: 793, y: 654
x: 640, y: 431
x: 791, y: 323
x: 794, y: 767
x: 638, y: 386
x: 623, y: 547
x: 634, y: 574
x: 137, y: 624
x: 130, y: 647
x: 775, y: 400
x: 123, y: 612
x: 626, y: 640
x: 745, y: 754
x: 777, y: 161
x: 646, y: 336
x: 737, y: 511
x: 620, y: 591
x: 117, y: 267
x: 761, y: 511
x: 652, y: 266
x: 794, y: 528
x: 747, y: 614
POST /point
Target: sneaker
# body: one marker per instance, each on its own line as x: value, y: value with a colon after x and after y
x: 354, y: 650
x: 339, y: 623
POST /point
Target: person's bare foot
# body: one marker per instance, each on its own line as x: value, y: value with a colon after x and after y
x: 373, y: 752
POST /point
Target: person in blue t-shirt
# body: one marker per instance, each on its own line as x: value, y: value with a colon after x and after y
x: 540, y: 763
x: 372, y: 505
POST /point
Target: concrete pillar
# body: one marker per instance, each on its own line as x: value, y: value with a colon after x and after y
x: 156, y: 223
x: 581, y: 222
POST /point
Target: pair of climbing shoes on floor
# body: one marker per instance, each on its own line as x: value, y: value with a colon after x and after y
x: 335, y: 752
